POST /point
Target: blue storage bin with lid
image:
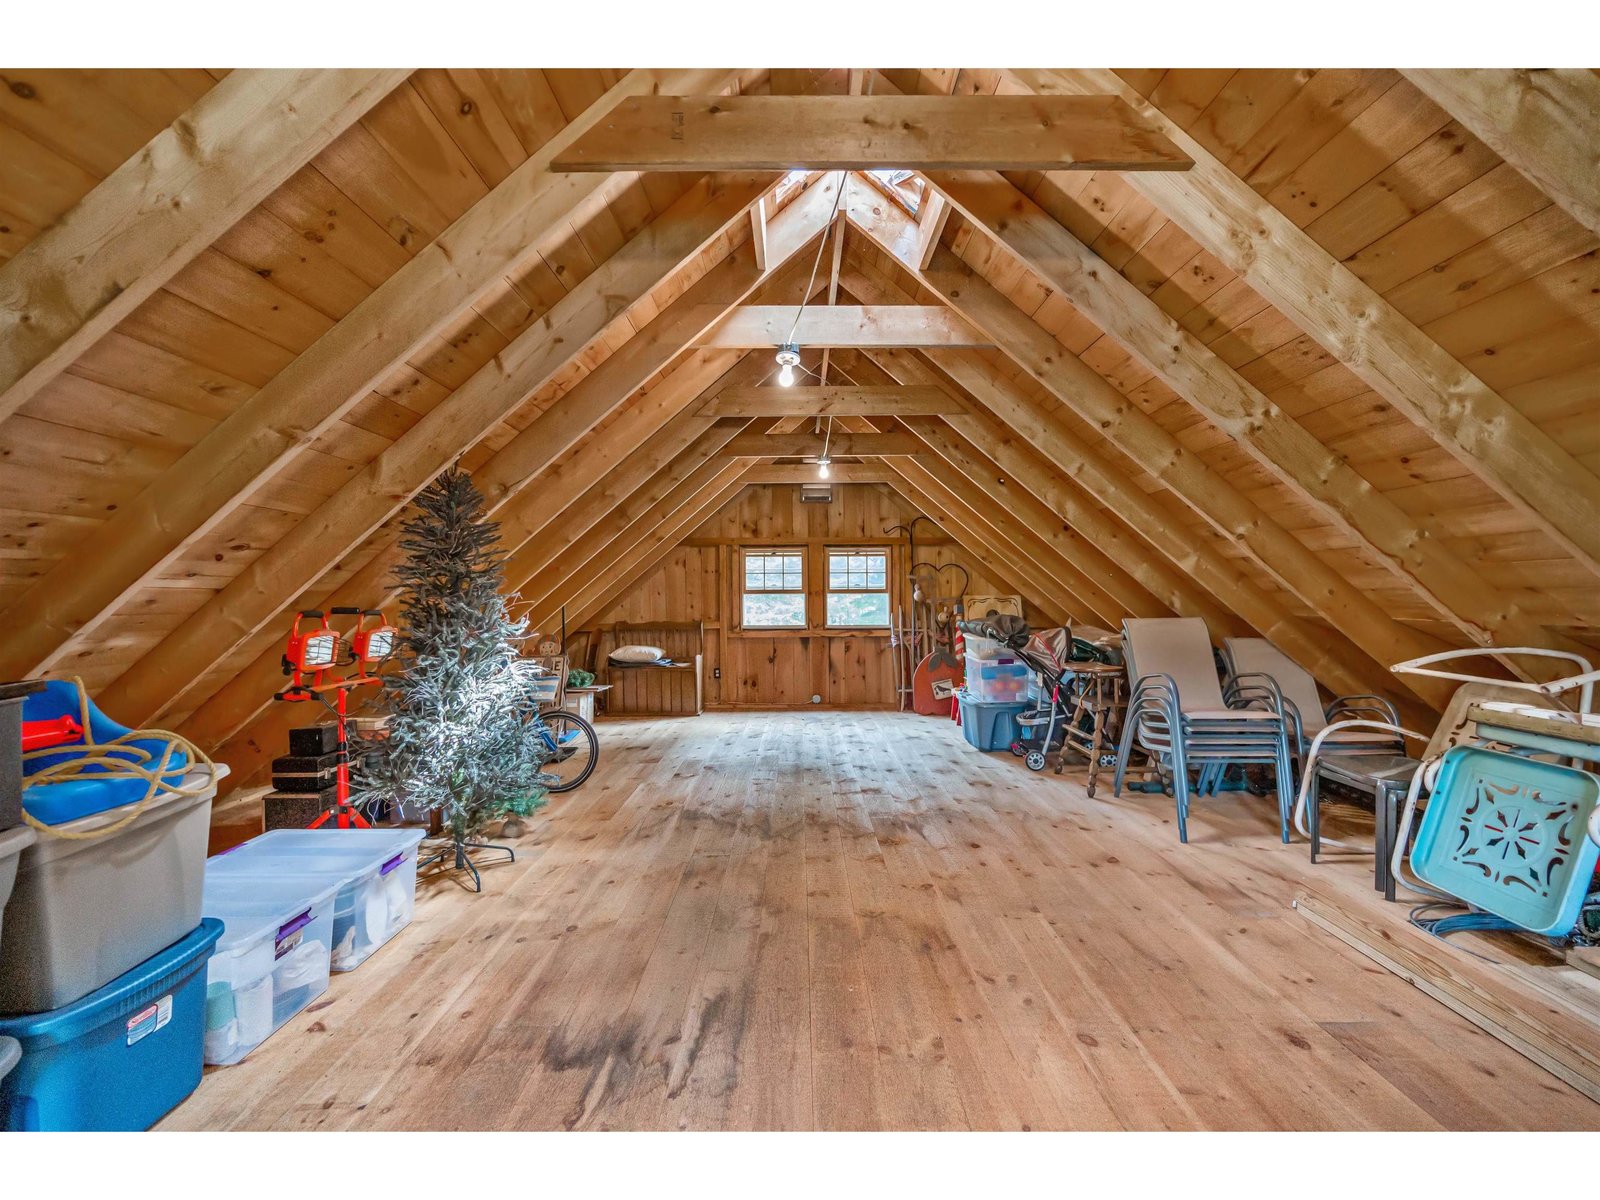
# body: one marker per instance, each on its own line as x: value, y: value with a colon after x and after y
x: 989, y: 725
x: 375, y: 870
x: 272, y: 960
x: 121, y: 1057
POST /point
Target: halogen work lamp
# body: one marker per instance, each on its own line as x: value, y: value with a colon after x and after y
x: 312, y: 653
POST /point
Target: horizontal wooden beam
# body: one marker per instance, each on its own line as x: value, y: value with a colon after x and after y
x: 827, y: 133
x: 807, y: 473
x: 809, y: 445
x: 844, y: 326
x: 830, y: 402
x: 151, y: 216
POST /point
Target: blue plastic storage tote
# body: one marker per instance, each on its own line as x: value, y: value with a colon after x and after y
x: 989, y: 726
x: 375, y: 869
x: 122, y: 1057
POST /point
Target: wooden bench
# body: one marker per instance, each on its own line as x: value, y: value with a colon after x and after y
x: 677, y: 690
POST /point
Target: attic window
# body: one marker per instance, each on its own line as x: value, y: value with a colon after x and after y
x: 905, y: 188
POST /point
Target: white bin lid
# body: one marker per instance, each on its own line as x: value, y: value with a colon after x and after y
x: 15, y: 840
x: 253, y: 906
x: 354, y: 853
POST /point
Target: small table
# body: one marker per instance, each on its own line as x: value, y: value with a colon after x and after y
x: 1386, y: 777
x: 1102, y: 697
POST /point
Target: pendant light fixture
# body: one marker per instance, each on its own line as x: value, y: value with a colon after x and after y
x: 823, y: 461
x: 788, y: 360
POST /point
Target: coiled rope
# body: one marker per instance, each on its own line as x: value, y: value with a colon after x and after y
x: 118, y: 759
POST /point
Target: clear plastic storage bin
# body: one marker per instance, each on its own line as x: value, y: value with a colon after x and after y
x: 997, y: 682
x: 375, y: 871
x: 272, y: 960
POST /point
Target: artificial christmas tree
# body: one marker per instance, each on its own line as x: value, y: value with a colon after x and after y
x: 459, y: 740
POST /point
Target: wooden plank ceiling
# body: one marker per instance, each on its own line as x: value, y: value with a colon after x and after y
x: 1371, y: 434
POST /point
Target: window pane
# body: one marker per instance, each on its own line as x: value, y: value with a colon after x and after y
x: 856, y: 609
x: 775, y: 611
x: 876, y: 578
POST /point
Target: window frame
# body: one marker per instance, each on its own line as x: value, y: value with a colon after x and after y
x: 828, y: 590
x: 797, y: 552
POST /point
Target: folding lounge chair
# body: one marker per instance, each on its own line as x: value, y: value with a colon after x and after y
x: 1178, y: 716
x: 1248, y: 658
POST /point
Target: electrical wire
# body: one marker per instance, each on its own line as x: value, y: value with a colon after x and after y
x: 816, y: 263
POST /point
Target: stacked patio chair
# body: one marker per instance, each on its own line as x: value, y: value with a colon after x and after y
x: 1178, y: 716
x: 1250, y: 658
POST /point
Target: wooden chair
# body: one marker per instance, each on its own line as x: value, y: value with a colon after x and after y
x: 678, y: 690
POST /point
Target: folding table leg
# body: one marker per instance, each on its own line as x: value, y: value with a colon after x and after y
x: 1387, y: 820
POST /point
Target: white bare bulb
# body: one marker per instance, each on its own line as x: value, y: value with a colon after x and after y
x: 822, y: 469
x: 786, y: 376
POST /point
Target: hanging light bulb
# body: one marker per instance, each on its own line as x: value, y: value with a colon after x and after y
x: 788, y: 360
x: 822, y: 466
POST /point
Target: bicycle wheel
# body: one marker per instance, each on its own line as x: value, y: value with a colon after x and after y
x: 577, y: 750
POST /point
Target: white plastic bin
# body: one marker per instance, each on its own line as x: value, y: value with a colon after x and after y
x: 271, y: 961
x: 986, y: 649
x: 84, y: 912
x: 374, y: 869
x: 997, y: 682
x: 12, y: 843
x: 10, y: 1056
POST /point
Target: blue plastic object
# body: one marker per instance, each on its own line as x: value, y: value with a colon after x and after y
x: 990, y: 726
x: 1506, y: 834
x: 122, y: 1057
x: 58, y: 803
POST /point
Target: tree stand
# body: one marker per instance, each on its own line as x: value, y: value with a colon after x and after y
x: 463, y: 860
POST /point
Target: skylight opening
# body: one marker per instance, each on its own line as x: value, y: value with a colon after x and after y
x: 905, y: 188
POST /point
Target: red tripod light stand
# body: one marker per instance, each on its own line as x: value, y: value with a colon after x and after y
x: 309, y: 660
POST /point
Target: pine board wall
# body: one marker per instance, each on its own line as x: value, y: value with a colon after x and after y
x: 699, y: 580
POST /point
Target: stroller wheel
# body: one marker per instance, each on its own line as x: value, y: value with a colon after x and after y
x: 1018, y: 749
x: 1108, y: 760
x: 1035, y: 760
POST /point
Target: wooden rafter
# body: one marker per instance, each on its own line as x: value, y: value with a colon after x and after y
x: 831, y: 133
x: 1097, y: 579
x: 1328, y: 593
x: 828, y: 402
x: 987, y: 547
x: 463, y: 417
x: 758, y: 326
x: 628, y: 557
x: 224, y: 469
x: 1483, y: 611
x: 1090, y: 603
x: 147, y: 219
x: 1545, y: 122
x: 351, y: 514
x: 646, y: 478
x: 1090, y: 575
x: 1488, y: 435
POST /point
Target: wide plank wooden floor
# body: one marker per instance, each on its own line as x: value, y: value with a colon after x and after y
x: 855, y: 921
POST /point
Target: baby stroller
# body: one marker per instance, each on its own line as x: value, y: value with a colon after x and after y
x: 1052, y: 654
